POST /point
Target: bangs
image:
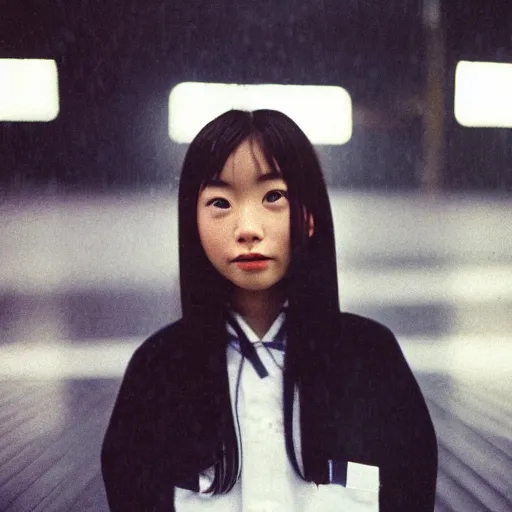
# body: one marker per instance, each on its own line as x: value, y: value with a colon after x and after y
x: 268, y: 154
x: 256, y: 141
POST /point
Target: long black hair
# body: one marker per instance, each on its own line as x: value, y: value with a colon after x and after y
x: 311, y: 280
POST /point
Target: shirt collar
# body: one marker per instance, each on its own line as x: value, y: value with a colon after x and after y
x: 274, y: 333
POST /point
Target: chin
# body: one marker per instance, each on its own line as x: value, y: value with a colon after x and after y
x: 256, y: 286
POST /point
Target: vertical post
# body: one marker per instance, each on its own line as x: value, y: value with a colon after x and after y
x: 432, y: 172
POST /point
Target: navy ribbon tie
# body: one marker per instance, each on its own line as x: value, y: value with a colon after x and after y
x: 249, y: 351
x: 278, y: 341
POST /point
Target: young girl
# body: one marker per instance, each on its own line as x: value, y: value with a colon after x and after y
x: 263, y: 396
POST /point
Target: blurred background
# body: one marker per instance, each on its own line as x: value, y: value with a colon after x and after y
x: 88, y: 224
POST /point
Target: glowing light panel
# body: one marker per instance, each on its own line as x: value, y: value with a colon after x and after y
x: 29, y: 90
x: 323, y: 112
x: 483, y: 94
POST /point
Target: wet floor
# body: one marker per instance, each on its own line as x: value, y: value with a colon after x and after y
x: 51, y: 433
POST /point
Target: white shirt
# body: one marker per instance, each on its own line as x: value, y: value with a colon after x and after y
x: 267, y: 481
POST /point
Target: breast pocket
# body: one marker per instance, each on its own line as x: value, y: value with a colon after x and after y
x: 353, y: 487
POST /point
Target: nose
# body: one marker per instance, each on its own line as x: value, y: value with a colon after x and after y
x: 248, y: 228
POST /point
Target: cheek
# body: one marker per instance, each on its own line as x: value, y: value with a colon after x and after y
x: 211, y: 236
x: 282, y: 229
x: 204, y: 230
x: 281, y: 235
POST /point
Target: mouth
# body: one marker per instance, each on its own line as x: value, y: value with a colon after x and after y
x: 252, y: 262
x: 250, y: 257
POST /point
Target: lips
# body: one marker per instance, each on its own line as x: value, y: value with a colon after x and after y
x: 252, y: 262
x: 250, y: 257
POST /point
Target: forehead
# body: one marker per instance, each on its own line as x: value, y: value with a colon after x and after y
x: 248, y: 161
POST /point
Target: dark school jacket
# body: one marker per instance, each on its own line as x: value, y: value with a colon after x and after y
x: 160, y: 432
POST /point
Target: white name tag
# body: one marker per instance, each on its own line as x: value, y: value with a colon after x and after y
x: 362, y: 477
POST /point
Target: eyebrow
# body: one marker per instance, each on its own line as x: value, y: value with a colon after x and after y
x: 269, y: 176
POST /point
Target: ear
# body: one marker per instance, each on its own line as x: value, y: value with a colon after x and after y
x: 309, y: 219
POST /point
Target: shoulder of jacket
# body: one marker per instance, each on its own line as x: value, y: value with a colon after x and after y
x: 357, y: 325
x: 168, y: 338
x: 360, y: 333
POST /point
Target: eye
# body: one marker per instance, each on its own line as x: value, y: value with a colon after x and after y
x: 275, y: 195
x: 218, y: 202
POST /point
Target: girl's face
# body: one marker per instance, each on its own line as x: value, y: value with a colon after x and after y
x: 243, y: 219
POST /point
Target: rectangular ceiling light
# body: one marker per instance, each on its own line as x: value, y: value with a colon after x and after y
x: 323, y: 112
x: 483, y: 94
x: 29, y: 90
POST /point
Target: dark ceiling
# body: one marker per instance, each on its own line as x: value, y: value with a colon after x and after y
x: 119, y: 59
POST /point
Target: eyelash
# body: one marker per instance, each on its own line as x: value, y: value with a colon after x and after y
x: 211, y: 202
x: 282, y: 193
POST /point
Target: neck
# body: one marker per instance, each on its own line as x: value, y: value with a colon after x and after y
x: 259, y: 308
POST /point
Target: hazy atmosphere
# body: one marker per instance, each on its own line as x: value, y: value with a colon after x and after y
x: 88, y: 213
